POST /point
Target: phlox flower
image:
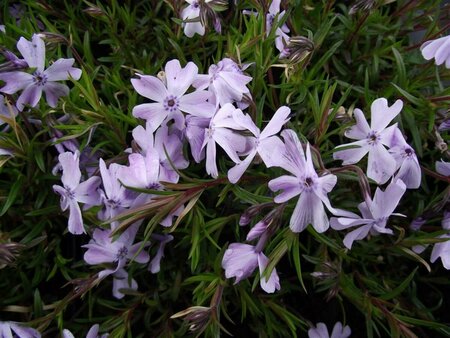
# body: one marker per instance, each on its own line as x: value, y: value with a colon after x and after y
x: 443, y: 168
x: 312, y: 189
x: 195, y: 134
x: 442, y: 250
x: 405, y: 157
x: 114, y: 196
x: 92, y: 333
x: 226, y: 81
x: 42, y: 80
x: 439, y: 49
x: 222, y: 131
x: 282, y: 39
x: 103, y: 249
x: 170, y: 96
x: 12, y: 329
x: 155, y: 263
x: 321, y: 331
x: 192, y: 11
x: 372, y: 139
x: 73, y: 191
x: 121, y: 281
x: 263, y: 143
x: 163, y: 141
x: 240, y: 260
x: 375, y: 214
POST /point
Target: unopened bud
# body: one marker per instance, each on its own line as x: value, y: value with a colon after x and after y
x: 94, y: 11
x: 298, y: 49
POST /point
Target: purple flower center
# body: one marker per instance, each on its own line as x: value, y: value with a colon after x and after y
x: 195, y: 4
x: 155, y: 186
x: 70, y: 193
x: 40, y: 79
x: 308, y: 183
x: 112, y: 203
x: 171, y: 103
x: 122, y: 253
x: 372, y: 138
x: 408, y: 152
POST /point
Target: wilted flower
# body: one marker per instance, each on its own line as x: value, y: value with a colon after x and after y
x: 12, y: 329
x: 381, y: 165
x: 198, y: 317
x: 439, y: 49
x: 321, y: 331
x: 42, y: 80
x: 361, y: 6
x: 375, y: 214
x: 73, y: 191
x: 312, y: 189
x: 297, y: 49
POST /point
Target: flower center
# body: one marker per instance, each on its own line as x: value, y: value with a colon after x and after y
x: 171, y: 103
x: 373, y: 138
x: 122, y: 253
x: 195, y: 4
x: 70, y: 193
x: 113, y: 204
x: 408, y: 152
x: 308, y: 183
x: 40, y: 79
x: 155, y: 186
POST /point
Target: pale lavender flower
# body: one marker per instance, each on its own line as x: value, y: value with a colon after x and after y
x: 381, y: 165
x: 121, y: 281
x: 171, y: 98
x: 240, y: 260
x: 2, y: 29
x: 195, y: 134
x: 226, y: 81
x: 268, y: 146
x: 407, y: 164
x: 13, y: 329
x: 442, y: 250
x: 443, y: 168
x: 155, y: 263
x: 439, y: 49
x: 103, y: 249
x: 222, y: 131
x: 192, y: 12
x: 72, y: 192
x: 445, y: 125
x: 375, y: 214
x: 282, y: 39
x: 312, y: 189
x: 42, y: 80
x: 114, y: 196
x: 163, y: 142
x: 143, y: 172
x: 321, y: 331
x: 92, y: 333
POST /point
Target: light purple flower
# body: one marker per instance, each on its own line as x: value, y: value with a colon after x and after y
x: 12, y: 329
x: 226, y: 81
x: 443, y: 168
x: 171, y: 98
x: 163, y: 142
x: 155, y: 263
x: 195, y: 134
x: 282, y: 39
x: 121, y: 281
x: 42, y: 80
x: 381, y: 165
x: 114, y: 196
x: 240, y: 260
x: 73, y: 191
x: 221, y: 131
x: 92, y: 333
x: 321, y: 331
x: 407, y: 164
x: 143, y: 172
x: 103, y: 249
x: 264, y: 143
x: 439, y: 49
x: 312, y: 189
x: 442, y: 250
x: 375, y: 214
x: 192, y: 11
x: 445, y: 125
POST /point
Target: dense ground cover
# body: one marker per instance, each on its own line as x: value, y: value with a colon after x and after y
x: 247, y: 168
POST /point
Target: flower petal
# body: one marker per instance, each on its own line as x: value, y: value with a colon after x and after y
x: 361, y: 129
x: 179, y: 79
x: 153, y: 113
x: 382, y: 114
x: 150, y: 87
x: 33, y: 51
x: 380, y: 165
x: 276, y: 123
x: 356, y: 235
x: 289, y: 185
x: 61, y: 69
